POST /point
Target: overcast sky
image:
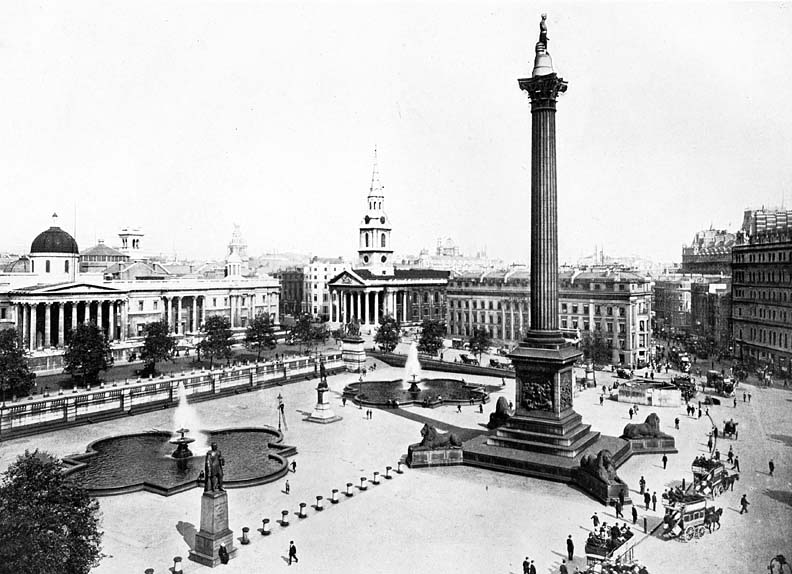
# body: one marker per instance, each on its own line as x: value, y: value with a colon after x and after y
x: 186, y: 117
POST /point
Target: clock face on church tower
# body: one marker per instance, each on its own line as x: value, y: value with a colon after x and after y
x: 382, y: 220
x: 367, y: 219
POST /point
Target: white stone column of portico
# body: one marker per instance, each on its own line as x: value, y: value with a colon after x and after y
x: 33, y: 325
x: 357, y: 306
x: 47, y: 322
x: 231, y: 305
x: 364, y: 305
x: 177, y: 325
x: 61, y: 321
x: 405, y: 299
x: 376, y: 307
x: 23, y: 323
x: 195, y: 314
x: 124, y: 320
x: 99, y: 305
x: 203, y: 312
x: 168, y: 312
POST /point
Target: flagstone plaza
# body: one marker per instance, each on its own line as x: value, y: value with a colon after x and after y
x: 451, y: 519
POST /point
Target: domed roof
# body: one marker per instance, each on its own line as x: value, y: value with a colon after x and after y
x: 54, y: 240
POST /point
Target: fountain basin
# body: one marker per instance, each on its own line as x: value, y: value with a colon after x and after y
x: 431, y: 393
x: 134, y: 462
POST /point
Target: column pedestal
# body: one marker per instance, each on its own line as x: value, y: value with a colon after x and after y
x: 214, y: 530
x: 353, y: 354
x: 323, y: 412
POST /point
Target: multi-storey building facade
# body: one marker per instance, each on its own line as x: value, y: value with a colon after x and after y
x: 762, y: 290
x: 292, y: 282
x: 617, y: 303
x: 46, y: 303
x: 672, y: 303
x: 710, y: 309
x: 316, y: 277
x: 709, y: 253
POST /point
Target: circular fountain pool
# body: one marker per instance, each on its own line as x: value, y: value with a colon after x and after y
x: 430, y: 393
x: 129, y: 463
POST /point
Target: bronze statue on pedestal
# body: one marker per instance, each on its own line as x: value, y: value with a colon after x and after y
x: 213, y: 470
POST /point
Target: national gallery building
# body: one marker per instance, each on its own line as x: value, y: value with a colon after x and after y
x: 44, y: 296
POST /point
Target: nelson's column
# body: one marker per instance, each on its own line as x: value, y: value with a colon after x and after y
x: 545, y: 437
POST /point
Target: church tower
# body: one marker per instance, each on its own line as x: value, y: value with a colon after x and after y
x: 374, y: 250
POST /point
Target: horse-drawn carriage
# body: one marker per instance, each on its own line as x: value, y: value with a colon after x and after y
x: 710, y: 477
x: 690, y: 518
x: 730, y: 429
x: 610, y: 544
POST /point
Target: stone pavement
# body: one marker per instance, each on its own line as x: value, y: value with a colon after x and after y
x: 439, y: 520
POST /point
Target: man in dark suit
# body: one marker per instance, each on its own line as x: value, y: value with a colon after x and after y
x: 526, y: 566
x: 570, y: 548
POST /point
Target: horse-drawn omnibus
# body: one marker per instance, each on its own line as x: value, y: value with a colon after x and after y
x: 690, y: 518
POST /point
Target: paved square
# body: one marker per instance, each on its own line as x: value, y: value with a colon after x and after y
x: 439, y: 520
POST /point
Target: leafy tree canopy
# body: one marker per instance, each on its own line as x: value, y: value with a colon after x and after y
x: 388, y: 334
x: 217, y: 340
x: 49, y: 524
x: 432, y: 333
x: 158, y: 345
x: 479, y: 342
x: 88, y: 353
x: 260, y: 334
x: 15, y: 375
x: 595, y: 347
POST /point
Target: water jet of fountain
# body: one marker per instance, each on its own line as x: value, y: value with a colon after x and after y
x: 412, y: 368
x: 185, y: 417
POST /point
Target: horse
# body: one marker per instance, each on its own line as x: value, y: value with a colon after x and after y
x: 712, y: 517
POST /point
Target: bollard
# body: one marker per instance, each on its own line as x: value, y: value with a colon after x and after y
x: 645, y: 528
x: 398, y: 468
x: 302, y: 514
x: 177, y: 565
x: 319, y: 503
x: 245, y: 539
x: 363, y: 483
x: 284, y: 517
x: 376, y: 474
x: 387, y: 472
x: 349, y: 485
x: 265, y: 526
x: 334, y: 496
x: 149, y: 571
x: 683, y: 484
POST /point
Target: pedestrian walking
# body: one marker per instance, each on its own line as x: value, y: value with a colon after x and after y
x: 737, y: 462
x: 532, y: 569
x: 715, y: 431
x: 288, y: 488
x: 676, y: 423
x: 642, y: 484
x: 730, y: 456
x: 526, y: 566
x: 621, y: 497
x: 749, y: 397
x: 735, y: 402
x: 665, y: 461
x: 602, y: 399
x: 654, y: 501
x: 647, y: 499
x: 563, y: 568
x: 743, y: 397
x: 635, y: 408
x: 634, y: 514
x: 618, y: 506
x: 630, y: 412
x: 459, y: 408
x: 744, y: 504
x: 570, y: 548
x: 709, y: 443
x: 717, y: 454
x: 292, y: 552
x: 771, y: 465
x: 595, y: 520
x: 481, y: 409
x: 294, y: 466
x: 699, y: 412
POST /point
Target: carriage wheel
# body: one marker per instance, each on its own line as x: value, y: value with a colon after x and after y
x: 690, y: 533
x: 700, y: 531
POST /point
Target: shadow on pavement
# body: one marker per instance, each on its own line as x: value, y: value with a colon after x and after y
x: 187, y: 530
x: 784, y: 438
x: 783, y: 496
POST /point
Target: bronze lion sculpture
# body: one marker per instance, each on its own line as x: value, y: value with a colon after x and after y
x: 433, y: 439
x: 648, y: 429
x: 600, y: 466
x: 501, y: 415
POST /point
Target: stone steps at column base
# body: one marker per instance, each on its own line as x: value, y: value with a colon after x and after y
x: 538, y: 446
x: 566, y: 440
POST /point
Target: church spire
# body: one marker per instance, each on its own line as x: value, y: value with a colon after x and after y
x: 376, y: 187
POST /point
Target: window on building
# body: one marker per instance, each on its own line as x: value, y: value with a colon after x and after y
x: 382, y: 240
x: 574, y: 309
x: 155, y: 305
x: 610, y: 311
x: 140, y: 305
x: 563, y: 307
x: 214, y: 301
x: 3, y: 312
x: 597, y: 310
x: 66, y: 266
x: 47, y: 266
x: 585, y: 309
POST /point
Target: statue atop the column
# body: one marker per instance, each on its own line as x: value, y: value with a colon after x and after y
x: 213, y: 470
x: 543, y: 31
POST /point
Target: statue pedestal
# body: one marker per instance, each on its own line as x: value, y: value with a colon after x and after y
x: 214, y: 530
x: 323, y: 412
x: 353, y: 354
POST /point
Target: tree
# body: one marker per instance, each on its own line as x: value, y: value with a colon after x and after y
x: 319, y: 333
x: 217, y: 339
x: 87, y: 353
x: 15, y: 375
x: 260, y: 334
x: 432, y: 333
x: 158, y: 345
x: 595, y: 347
x: 301, y: 331
x: 479, y: 342
x: 387, y: 336
x: 49, y: 523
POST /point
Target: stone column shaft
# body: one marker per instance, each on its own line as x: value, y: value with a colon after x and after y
x: 61, y: 320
